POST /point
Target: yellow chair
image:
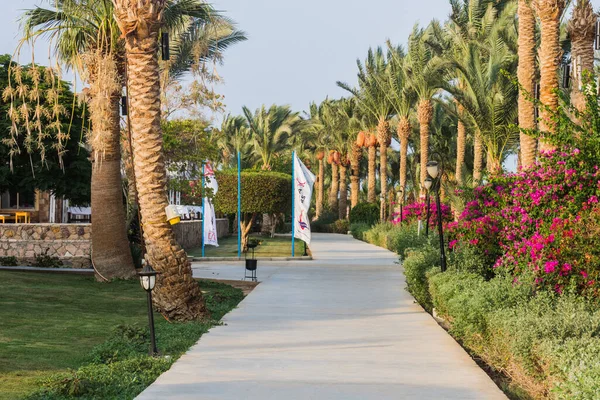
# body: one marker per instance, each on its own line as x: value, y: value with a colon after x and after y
x: 23, y: 214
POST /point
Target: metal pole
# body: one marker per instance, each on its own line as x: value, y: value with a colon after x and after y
x: 239, y: 210
x: 153, y: 349
x: 440, y: 228
x: 293, y: 201
x: 428, y: 212
x: 203, y: 213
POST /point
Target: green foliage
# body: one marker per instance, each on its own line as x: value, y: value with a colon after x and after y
x: 67, y: 174
x: 262, y: 192
x: 358, y: 230
x: 9, y: 261
x: 338, y: 226
x: 43, y: 260
x: 367, y: 213
x: 417, y: 264
x: 468, y: 258
x: 120, y: 368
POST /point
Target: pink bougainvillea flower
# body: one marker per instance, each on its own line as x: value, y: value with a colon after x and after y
x: 550, y: 266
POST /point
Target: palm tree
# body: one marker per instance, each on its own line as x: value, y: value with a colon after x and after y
x: 526, y: 76
x: 87, y: 40
x: 233, y: 137
x: 549, y: 12
x: 317, y: 126
x: 423, y: 76
x: 402, y: 99
x: 373, y: 101
x: 177, y: 294
x: 271, y: 130
x: 581, y: 29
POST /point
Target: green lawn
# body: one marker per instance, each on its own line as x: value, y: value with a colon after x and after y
x: 270, y: 247
x: 50, y: 323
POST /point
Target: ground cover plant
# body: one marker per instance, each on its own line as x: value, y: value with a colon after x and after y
x: 66, y: 336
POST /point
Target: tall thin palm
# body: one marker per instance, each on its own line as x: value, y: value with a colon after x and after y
x: 233, y: 137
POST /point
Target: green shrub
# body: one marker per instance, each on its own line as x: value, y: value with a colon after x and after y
x: 468, y: 258
x: 404, y: 237
x: 45, y: 261
x: 341, y: 226
x: 9, y: 261
x: 367, y: 213
x: 358, y: 230
x: 377, y: 234
x: 416, y: 265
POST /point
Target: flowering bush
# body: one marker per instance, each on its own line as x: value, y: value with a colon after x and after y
x: 536, y: 224
x: 418, y: 211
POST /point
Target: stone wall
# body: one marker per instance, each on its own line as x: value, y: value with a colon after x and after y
x: 69, y: 242
x: 189, y: 233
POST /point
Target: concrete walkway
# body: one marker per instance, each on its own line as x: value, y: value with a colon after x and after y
x: 339, y: 327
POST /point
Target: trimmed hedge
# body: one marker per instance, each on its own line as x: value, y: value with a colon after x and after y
x: 367, y: 213
x: 262, y: 192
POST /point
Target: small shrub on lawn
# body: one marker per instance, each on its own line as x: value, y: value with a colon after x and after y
x: 44, y: 260
x: 9, y: 261
x: 367, y: 213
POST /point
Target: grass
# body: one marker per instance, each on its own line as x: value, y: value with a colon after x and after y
x: 54, y: 323
x: 270, y: 247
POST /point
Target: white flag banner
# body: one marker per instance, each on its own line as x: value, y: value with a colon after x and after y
x: 210, y: 223
x: 303, y: 187
x: 210, y: 220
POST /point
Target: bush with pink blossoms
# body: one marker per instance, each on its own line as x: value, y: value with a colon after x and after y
x: 418, y: 211
x: 533, y: 224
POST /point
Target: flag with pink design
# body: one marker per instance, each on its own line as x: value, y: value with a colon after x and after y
x: 303, y: 188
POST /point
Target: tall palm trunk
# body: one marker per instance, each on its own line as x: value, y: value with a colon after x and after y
x: 334, y: 189
x: 461, y: 144
x: 383, y: 136
x: 403, y: 134
x: 549, y: 12
x: 111, y: 255
x: 372, y: 178
x: 320, y: 187
x: 526, y: 76
x: 343, y: 203
x: 424, y: 113
x: 581, y: 29
x: 177, y: 295
x: 478, y: 158
x: 354, y: 174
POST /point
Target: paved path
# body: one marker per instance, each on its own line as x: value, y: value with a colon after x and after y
x: 338, y: 327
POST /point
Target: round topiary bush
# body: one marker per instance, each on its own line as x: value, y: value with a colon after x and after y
x: 366, y: 213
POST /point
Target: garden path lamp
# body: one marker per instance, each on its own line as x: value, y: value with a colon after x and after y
x: 428, y: 184
x: 148, y: 281
x: 434, y: 170
x: 400, y: 197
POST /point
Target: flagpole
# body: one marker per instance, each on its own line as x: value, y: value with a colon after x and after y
x: 239, y: 210
x: 203, y: 213
x: 293, y: 200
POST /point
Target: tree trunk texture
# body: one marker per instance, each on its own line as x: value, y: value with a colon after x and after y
x: 549, y: 13
x: 424, y: 113
x: 478, y: 159
x: 461, y: 144
x: 354, y: 184
x: 493, y: 164
x: 111, y: 255
x: 582, y: 31
x: 177, y: 295
x: 343, y: 203
x: 526, y: 76
x: 403, y: 134
x: 246, y: 226
x: 383, y: 178
x: 372, y: 178
x: 335, y: 185
x: 320, y: 187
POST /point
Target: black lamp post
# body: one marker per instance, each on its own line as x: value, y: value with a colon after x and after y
x: 148, y: 281
x: 428, y: 184
x: 400, y: 196
x: 434, y: 171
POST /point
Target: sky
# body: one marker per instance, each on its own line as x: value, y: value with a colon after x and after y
x: 296, y: 50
